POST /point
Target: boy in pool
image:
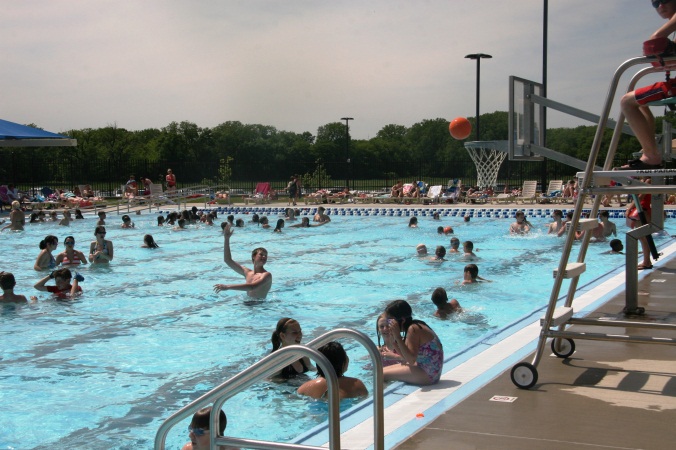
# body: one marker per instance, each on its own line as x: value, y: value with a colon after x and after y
x: 557, y: 227
x: 63, y: 288
x: 258, y: 281
x: 455, y: 244
x: 468, y: 249
x: 471, y: 275
x: 7, y: 283
x: 321, y: 215
x: 444, y: 307
x: 198, y: 431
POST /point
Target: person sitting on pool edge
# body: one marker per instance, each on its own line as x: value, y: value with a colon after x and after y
x: 63, y: 288
x: 444, y: 307
x: 258, y: 281
x: 419, y: 347
x: 288, y: 332
x: 199, y: 429
x: 348, y: 387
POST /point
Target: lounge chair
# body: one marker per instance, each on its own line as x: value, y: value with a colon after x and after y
x: 260, y: 195
x: 554, y: 191
x: 433, y: 194
x: 528, y: 192
x: 500, y: 198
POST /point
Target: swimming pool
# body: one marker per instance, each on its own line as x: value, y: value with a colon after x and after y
x: 149, y: 335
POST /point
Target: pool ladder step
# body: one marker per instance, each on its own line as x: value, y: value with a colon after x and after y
x: 585, y: 224
x: 572, y: 270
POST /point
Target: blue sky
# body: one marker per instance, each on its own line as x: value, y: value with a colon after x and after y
x: 299, y: 64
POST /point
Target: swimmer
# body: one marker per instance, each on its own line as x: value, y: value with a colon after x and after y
x: 471, y: 275
x: 7, y: 283
x: 70, y: 256
x: 160, y: 221
x: 321, y: 215
x: 468, y: 249
x: 288, y: 332
x: 455, y: 245
x: 305, y: 223
x: 149, y: 242
x: 521, y: 226
x: 100, y: 250
x: 199, y: 429
x: 448, y: 230
x: 421, y: 250
x: 263, y: 222
x: 17, y: 218
x: 46, y: 259
x: 557, y: 227
x: 78, y: 214
x: 616, y: 247
x: 126, y: 222
x: 606, y: 228
x: 180, y: 225
x: 439, y: 254
x: 413, y: 222
x: 63, y: 287
x: 280, y: 225
x: 102, y: 219
x: 435, y: 216
x: 257, y: 281
x: 66, y: 218
x: 348, y: 387
x: 444, y: 307
x: 440, y: 230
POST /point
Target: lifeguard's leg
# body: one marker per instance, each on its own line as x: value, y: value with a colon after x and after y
x: 642, y: 123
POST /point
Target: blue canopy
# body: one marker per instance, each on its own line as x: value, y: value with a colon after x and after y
x: 16, y: 135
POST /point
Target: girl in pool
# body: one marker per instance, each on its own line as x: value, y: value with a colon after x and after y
x: 413, y: 222
x: 348, y: 387
x: 288, y: 332
x: 67, y: 219
x: 126, y: 222
x: 280, y: 225
x: 45, y: 259
x: 419, y: 347
x: 387, y: 352
x: 101, y: 250
x: 70, y: 256
x: 149, y: 242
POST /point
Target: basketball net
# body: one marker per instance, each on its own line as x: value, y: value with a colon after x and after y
x: 488, y: 157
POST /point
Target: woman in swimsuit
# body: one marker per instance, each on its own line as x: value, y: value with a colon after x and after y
x: 17, y: 218
x: 101, y: 250
x: 348, y: 387
x: 70, y: 256
x: 45, y: 259
x: 288, y: 332
x: 420, y: 348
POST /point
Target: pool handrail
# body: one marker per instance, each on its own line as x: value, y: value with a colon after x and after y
x: 270, y: 365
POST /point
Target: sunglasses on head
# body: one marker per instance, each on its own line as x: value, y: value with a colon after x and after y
x: 657, y: 3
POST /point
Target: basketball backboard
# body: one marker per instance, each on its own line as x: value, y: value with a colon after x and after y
x: 526, y: 119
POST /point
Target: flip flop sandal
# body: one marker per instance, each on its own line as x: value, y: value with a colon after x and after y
x: 637, y: 164
x: 643, y: 267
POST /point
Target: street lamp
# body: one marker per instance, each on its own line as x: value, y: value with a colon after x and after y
x: 478, y: 57
x: 347, y: 149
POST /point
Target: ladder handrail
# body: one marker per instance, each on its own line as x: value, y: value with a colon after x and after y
x: 268, y: 366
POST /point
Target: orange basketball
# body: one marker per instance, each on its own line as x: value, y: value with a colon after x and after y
x: 460, y: 128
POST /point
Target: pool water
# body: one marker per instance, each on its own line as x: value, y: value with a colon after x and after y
x: 149, y: 334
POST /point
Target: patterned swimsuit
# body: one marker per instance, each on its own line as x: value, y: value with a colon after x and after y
x: 431, y: 358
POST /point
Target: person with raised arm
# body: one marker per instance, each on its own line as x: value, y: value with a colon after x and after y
x: 257, y: 281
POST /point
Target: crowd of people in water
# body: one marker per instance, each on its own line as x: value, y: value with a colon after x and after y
x: 411, y: 351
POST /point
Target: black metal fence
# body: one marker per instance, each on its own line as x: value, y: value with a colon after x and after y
x: 33, y: 170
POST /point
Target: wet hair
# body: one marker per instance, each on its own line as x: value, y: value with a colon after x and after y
x: 305, y: 222
x: 280, y: 225
x: 63, y: 273
x: 440, y: 251
x: 48, y: 240
x: 616, y: 245
x: 126, y: 218
x: 413, y: 221
x: 263, y: 220
x: 99, y: 229
x: 69, y: 237
x: 181, y: 222
x: 440, y: 230
x: 34, y: 217
x: 336, y: 355
x: 256, y: 251
x: 231, y: 218
x: 520, y: 214
x: 455, y: 242
x: 469, y: 245
x: 78, y: 214
x: 439, y: 297
x: 254, y: 218
x: 435, y: 216
x: 160, y: 220
x: 239, y: 223
x: 473, y: 270
x: 466, y: 218
x: 223, y: 225
x: 7, y: 280
x: 290, y: 213
x: 401, y: 311
x: 321, y: 209
x: 282, y: 325
x: 557, y: 212
x: 604, y: 213
x: 101, y: 214
x: 149, y: 241
x: 202, y: 419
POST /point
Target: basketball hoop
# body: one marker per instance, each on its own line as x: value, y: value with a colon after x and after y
x: 488, y: 157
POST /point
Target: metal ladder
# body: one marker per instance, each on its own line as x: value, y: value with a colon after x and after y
x: 593, y: 182
x: 269, y: 366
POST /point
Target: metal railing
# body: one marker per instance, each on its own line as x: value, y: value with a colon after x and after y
x: 267, y: 367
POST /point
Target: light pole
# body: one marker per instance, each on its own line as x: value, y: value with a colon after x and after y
x: 347, y: 149
x: 478, y: 57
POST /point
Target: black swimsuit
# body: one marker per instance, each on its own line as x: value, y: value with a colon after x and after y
x: 290, y: 372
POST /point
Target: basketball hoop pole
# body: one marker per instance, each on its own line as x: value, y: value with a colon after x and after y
x: 478, y: 57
